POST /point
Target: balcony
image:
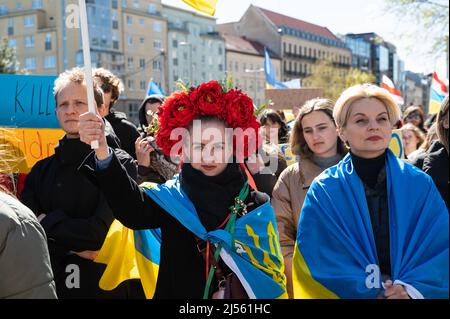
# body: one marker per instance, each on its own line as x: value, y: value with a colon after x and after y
x: 295, y: 73
x: 178, y: 27
x: 299, y: 56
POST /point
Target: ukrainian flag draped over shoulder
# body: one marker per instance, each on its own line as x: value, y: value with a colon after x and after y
x: 335, y: 244
x: 257, y: 259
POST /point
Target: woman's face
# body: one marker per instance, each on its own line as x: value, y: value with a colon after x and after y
x: 320, y: 134
x: 271, y: 131
x: 410, y: 139
x: 368, y: 129
x: 414, y: 118
x: 209, y: 151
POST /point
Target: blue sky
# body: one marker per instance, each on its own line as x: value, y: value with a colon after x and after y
x: 343, y: 16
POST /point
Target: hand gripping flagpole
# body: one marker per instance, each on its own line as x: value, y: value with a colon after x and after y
x: 87, y: 62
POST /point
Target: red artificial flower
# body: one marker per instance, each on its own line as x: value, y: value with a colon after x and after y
x: 178, y: 111
x: 239, y: 109
x: 209, y: 98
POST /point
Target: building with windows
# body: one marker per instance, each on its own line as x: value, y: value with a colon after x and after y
x: 245, y: 64
x: 129, y: 37
x: 299, y: 44
x: 361, y: 53
x: 196, y: 51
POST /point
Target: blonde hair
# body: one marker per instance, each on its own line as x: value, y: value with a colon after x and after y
x: 75, y: 75
x: 442, y: 117
x: 419, y: 134
x: 297, y: 140
x: 355, y: 93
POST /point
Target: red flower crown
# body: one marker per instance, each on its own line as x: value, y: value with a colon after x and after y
x: 234, y: 107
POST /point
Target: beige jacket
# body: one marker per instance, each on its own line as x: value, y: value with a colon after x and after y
x: 287, y: 200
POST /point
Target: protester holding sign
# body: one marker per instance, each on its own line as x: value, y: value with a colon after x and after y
x: 315, y: 140
x: 72, y: 210
x: 206, y: 211
x: 366, y: 229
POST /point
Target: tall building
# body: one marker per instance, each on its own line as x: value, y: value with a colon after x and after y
x: 196, y: 51
x: 245, y: 63
x: 129, y: 37
x: 299, y: 44
x: 416, y: 89
x: 361, y: 53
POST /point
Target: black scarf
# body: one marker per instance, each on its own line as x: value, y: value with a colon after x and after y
x: 212, y: 195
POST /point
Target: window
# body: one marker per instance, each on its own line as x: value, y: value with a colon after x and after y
x: 48, y: 42
x: 143, y: 85
x: 131, y: 84
x: 152, y: 8
x: 12, y: 43
x: 29, y: 41
x: 114, y: 4
x: 37, y: 4
x: 50, y: 62
x: 156, y: 65
x: 142, y: 40
x: 157, y: 44
x: 141, y: 22
x: 220, y: 50
x: 129, y: 20
x: 290, y: 48
x: 175, y: 43
x: 115, y: 45
x: 157, y: 26
x: 136, y: 4
x: 3, y: 9
x: 175, y: 62
x: 30, y: 63
x: 124, y: 3
x: 129, y: 40
x: 10, y: 26
x: 19, y: 5
x: 28, y: 21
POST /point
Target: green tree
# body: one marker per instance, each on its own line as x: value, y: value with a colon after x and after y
x: 8, y: 59
x: 328, y: 77
x: 356, y: 76
x: 431, y: 18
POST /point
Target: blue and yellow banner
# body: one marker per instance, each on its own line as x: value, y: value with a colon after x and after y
x: 255, y: 256
x: 335, y: 254
x: 28, y: 124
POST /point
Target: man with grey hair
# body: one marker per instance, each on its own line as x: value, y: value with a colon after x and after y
x: 71, y: 209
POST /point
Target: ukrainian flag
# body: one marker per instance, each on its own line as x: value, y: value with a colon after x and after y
x: 130, y: 254
x: 269, y: 71
x: 335, y: 254
x: 205, y: 6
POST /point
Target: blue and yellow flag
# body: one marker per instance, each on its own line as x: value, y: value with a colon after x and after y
x: 205, y: 6
x: 256, y: 258
x: 271, y: 76
x: 335, y: 254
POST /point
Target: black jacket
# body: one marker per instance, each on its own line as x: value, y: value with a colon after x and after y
x: 182, y: 267
x: 77, y: 215
x: 125, y: 131
x: 435, y: 164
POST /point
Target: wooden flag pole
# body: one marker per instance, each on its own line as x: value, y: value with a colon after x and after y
x: 87, y: 61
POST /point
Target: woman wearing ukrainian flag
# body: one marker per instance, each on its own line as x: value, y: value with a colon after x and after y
x: 212, y: 224
x: 372, y: 226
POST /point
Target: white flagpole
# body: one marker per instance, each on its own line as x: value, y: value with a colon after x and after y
x: 87, y: 61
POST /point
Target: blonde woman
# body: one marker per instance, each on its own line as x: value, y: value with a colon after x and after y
x: 372, y: 226
x: 315, y: 140
x: 412, y: 138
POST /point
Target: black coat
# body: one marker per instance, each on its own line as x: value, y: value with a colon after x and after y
x: 77, y: 216
x: 435, y: 164
x: 125, y: 131
x: 182, y: 267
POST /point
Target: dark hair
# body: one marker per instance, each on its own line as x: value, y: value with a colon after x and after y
x: 415, y: 109
x: 110, y: 83
x: 274, y: 117
x: 298, y: 142
x: 442, y: 132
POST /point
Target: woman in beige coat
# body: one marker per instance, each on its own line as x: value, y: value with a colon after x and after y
x: 315, y: 140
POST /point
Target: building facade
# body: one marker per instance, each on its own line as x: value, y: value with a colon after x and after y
x: 299, y: 44
x: 129, y: 37
x: 361, y: 54
x: 196, y: 51
x: 245, y: 64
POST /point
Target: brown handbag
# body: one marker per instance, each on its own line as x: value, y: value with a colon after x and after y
x: 230, y: 287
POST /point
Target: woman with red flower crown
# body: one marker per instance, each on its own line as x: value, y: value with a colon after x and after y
x: 218, y: 236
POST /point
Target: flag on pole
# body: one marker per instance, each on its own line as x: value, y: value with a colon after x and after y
x: 205, y: 6
x: 438, y: 91
x: 387, y: 84
x: 153, y: 88
x: 269, y: 71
